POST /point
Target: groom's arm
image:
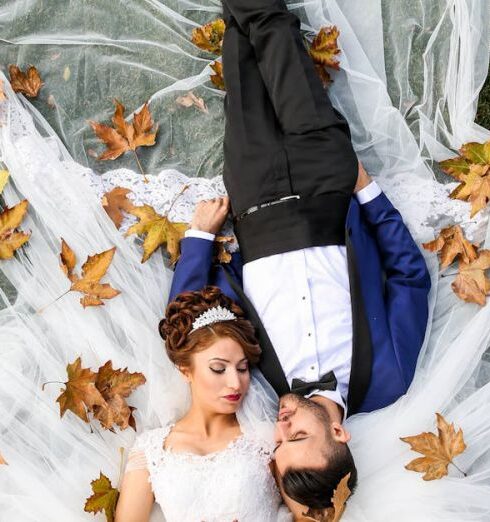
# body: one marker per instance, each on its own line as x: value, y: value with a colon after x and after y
x: 407, y: 279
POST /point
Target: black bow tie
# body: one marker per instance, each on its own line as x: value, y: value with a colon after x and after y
x: 327, y: 383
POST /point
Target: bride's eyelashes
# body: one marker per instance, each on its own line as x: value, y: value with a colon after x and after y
x: 222, y: 370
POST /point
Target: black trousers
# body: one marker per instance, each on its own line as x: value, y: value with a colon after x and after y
x: 283, y: 139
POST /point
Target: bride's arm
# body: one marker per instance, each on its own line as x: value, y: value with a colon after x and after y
x: 136, y: 498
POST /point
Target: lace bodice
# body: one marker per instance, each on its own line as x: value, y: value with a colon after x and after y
x: 234, y: 484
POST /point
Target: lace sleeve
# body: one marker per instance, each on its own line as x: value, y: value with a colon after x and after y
x: 137, y: 455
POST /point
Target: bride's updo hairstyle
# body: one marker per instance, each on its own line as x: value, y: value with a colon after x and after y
x: 175, y: 328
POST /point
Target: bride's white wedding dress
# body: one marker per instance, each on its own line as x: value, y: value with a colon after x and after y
x: 404, y: 114
x: 232, y: 484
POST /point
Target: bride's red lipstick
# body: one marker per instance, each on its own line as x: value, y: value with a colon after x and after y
x: 233, y: 398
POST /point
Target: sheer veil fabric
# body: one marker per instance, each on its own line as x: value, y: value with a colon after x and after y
x: 409, y: 82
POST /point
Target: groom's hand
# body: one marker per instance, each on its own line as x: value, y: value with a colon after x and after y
x: 363, y: 179
x: 210, y: 215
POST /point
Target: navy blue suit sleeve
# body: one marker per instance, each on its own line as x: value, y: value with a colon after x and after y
x: 407, y: 281
x: 195, y: 269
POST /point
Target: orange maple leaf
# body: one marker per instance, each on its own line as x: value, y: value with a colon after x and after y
x: 3, y: 96
x: 217, y: 77
x: 80, y: 394
x: 115, y: 201
x: 209, y: 37
x: 438, y: 450
x: 28, y: 83
x: 452, y: 244
x: 115, y: 386
x: 92, y: 272
x: 324, y: 51
x: 471, y: 283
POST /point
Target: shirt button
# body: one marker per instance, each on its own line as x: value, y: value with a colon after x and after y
x: 304, y: 298
x: 312, y: 367
x: 309, y: 334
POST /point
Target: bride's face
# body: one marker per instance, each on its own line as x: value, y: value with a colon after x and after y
x: 219, y: 376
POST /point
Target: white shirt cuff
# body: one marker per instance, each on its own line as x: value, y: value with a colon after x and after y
x: 368, y: 193
x: 199, y: 234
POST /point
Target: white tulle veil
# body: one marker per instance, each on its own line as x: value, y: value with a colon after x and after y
x: 409, y: 82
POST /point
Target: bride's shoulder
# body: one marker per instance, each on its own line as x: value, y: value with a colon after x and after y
x: 154, y: 437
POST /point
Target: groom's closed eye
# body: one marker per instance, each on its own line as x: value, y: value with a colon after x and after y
x: 296, y: 437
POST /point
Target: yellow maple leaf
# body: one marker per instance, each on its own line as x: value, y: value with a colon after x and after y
x: 159, y: 231
x: 92, y: 272
x: 209, y: 37
x: 471, y: 283
x: 451, y: 244
x: 10, y: 239
x: 28, y: 83
x: 438, y: 450
x: 104, y: 498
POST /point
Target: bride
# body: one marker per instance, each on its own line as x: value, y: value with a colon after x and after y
x: 202, y: 467
x: 406, y: 113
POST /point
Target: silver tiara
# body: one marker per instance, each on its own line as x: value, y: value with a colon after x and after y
x: 213, y: 315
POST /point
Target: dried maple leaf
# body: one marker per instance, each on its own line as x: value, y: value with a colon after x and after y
x: 10, y: 219
x: 115, y: 201
x: 472, y: 170
x: 104, y: 498
x: 471, y: 283
x: 115, y: 386
x: 4, y: 177
x: 92, y: 272
x: 332, y: 514
x: 28, y: 83
x: 3, y: 96
x: 221, y: 254
x: 324, y: 50
x: 217, y: 77
x: 159, y: 231
x: 190, y: 99
x: 209, y: 37
x: 3, y: 462
x: 80, y: 394
x: 126, y: 136
x: 438, y: 450
x: 451, y: 243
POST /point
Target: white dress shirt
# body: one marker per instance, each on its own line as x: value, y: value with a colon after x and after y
x: 303, y: 300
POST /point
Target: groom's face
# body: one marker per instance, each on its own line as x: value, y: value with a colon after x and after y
x: 301, y: 435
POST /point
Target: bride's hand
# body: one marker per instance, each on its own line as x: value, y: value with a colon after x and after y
x: 210, y: 215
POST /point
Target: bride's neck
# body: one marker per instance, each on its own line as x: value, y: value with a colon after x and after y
x: 206, y: 423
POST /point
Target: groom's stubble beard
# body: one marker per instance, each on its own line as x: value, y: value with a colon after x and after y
x: 316, y: 409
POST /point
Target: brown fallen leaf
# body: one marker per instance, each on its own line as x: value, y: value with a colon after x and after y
x: 438, y: 450
x: 209, y: 37
x: 452, y: 244
x: 104, y: 498
x: 10, y: 239
x: 3, y: 96
x: 115, y: 386
x: 472, y: 170
x: 159, y: 231
x: 28, y: 83
x: 333, y: 513
x: 115, y: 201
x: 217, y: 77
x: 221, y: 255
x: 471, y: 283
x: 80, y: 394
x: 324, y: 51
x: 126, y: 136
x: 3, y: 462
x: 93, y: 270
x: 190, y: 100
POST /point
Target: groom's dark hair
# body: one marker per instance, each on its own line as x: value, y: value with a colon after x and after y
x: 315, y: 487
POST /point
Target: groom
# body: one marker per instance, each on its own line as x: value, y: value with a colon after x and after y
x: 327, y: 270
